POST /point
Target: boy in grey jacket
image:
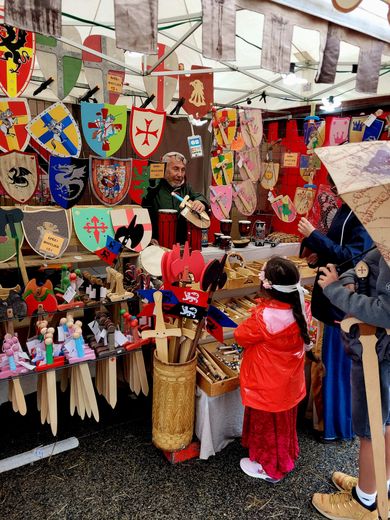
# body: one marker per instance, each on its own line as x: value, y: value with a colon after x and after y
x: 358, y: 496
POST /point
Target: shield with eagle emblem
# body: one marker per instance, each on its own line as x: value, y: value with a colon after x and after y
x: 19, y: 175
x: 198, y: 92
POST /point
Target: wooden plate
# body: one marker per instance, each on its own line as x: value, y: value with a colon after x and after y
x: 242, y: 242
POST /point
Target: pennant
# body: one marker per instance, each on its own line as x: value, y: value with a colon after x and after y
x: 104, y: 127
x: 11, y: 235
x: 218, y: 28
x: 283, y: 207
x: 110, y: 179
x: 146, y: 130
x: 304, y: 199
x: 141, y: 234
x: 139, y: 180
x: 356, y: 129
x: 110, y: 252
x: 68, y: 178
x: 109, y: 77
x: 56, y: 130
x: 249, y: 164
x: 373, y: 132
x: 198, y: 92
x: 223, y: 168
x: 17, y: 56
x: 60, y: 61
x: 251, y: 124
x: 339, y: 129
x: 216, y: 320
x: 245, y: 198
x: 19, y: 175
x: 92, y: 225
x: 221, y: 198
x: 14, y: 115
x: 142, y: 18
x: 269, y: 175
x: 162, y: 88
x: 38, y: 16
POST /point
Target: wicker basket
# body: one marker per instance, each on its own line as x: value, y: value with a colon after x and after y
x: 239, y: 273
x: 173, y: 411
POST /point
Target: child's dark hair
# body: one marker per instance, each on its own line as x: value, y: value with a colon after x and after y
x: 281, y: 271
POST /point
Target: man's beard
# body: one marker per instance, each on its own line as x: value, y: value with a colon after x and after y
x: 176, y: 184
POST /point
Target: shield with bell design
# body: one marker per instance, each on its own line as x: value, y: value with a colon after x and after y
x: 222, y: 167
x: 47, y: 230
x: 139, y: 180
x: 146, y: 130
x: 244, y: 196
x: 92, y: 225
x: 122, y: 217
x: 19, y: 175
x: 198, y: 92
x: 269, y: 175
x: 14, y: 116
x: 251, y: 124
x: 110, y: 179
x: 221, y: 201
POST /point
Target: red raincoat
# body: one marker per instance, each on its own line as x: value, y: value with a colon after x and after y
x: 272, y: 369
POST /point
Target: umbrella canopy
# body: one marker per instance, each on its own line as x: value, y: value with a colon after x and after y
x: 361, y: 172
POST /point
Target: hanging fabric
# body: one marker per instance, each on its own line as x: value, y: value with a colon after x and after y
x: 219, y: 29
x: 136, y: 25
x: 39, y: 16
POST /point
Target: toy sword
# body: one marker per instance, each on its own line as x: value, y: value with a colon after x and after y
x: 199, y: 219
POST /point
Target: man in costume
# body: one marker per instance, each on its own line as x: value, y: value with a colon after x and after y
x: 160, y: 196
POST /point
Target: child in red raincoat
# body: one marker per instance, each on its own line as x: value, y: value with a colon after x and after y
x: 272, y: 371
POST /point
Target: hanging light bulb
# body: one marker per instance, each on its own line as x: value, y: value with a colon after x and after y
x: 330, y: 104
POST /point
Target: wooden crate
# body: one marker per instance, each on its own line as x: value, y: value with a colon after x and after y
x: 219, y: 387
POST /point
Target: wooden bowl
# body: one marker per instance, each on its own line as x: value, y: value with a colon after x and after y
x: 242, y: 242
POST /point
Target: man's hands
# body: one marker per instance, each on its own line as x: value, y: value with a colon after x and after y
x: 305, y: 228
x: 328, y: 276
x: 198, y: 206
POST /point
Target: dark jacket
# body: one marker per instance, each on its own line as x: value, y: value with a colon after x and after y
x: 159, y: 197
x: 345, y: 239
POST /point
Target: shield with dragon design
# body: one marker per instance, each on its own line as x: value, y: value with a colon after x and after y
x: 110, y: 179
x: 139, y: 180
x: 19, y: 175
x: 44, y: 225
x: 14, y: 116
x: 17, y: 56
x: 104, y: 127
x: 122, y: 217
x: 92, y: 225
x: 68, y: 178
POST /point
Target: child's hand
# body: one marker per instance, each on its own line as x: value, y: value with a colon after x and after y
x: 305, y: 227
x: 328, y: 276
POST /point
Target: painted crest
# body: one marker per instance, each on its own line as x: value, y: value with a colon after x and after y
x: 59, y: 60
x: 283, y: 207
x: 373, y: 132
x: 251, y: 124
x: 44, y: 225
x: 110, y: 179
x: 10, y: 245
x: 308, y: 166
x: 104, y: 127
x: 314, y: 133
x: 356, y: 129
x: 14, y: 116
x: 225, y: 124
x: 269, y: 175
x: 222, y: 167
x: 92, y: 225
x: 339, y: 129
x: 162, y: 87
x: 107, y: 76
x: 56, y: 130
x: 68, y: 178
x: 139, y: 180
x: 249, y: 164
x: 146, y: 130
x: 17, y: 55
x: 198, y: 92
x: 122, y: 217
x: 221, y: 201
x: 303, y: 199
x: 244, y: 196
x: 19, y: 175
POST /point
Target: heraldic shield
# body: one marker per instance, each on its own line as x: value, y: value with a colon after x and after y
x: 45, y: 226
x: 14, y: 116
x: 122, y: 217
x: 92, y: 225
x: 68, y: 178
x: 198, y: 92
x: 104, y: 127
x: 110, y: 179
x: 19, y: 175
x: 56, y: 130
x: 10, y: 245
x: 139, y: 180
x: 146, y: 130
x: 221, y: 201
x: 244, y: 196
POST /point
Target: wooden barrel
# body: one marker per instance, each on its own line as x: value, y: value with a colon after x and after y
x: 173, y: 411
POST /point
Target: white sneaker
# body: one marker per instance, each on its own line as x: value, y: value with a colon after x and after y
x: 254, y: 469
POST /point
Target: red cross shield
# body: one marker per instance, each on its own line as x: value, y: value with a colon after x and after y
x: 146, y: 130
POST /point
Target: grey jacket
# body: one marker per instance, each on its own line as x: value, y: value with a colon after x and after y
x: 372, y: 308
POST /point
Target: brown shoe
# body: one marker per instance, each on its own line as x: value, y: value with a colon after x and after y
x: 342, y: 505
x: 344, y: 482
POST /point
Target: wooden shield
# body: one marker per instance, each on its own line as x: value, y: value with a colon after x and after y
x: 356, y: 129
x: 104, y: 127
x: 60, y: 61
x: 244, y: 196
x: 19, y: 175
x: 107, y: 76
x: 283, y: 207
x: 338, y: 132
x: 221, y: 201
x: 56, y: 130
x: 92, y: 225
x: 110, y: 179
x: 251, y: 124
x: 14, y: 115
x: 8, y: 244
x: 373, y: 132
x: 314, y: 133
x: 227, y: 118
x: 269, y: 175
x: 198, y: 92
x: 146, y: 130
x: 139, y: 180
x: 17, y: 55
x: 308, y: 165
x: 249, y: 164
x: 40, y: 222
x: 222, y: 167
x: 68, y: 178
x: 162, y: 87
x: 303, y: 199
x: 122, y: 217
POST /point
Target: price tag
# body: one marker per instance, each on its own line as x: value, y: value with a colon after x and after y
x: 60, y: 334
x: 94, y: 326
x: 92, y: 293
x: 79, y: 282
x: 290, y: 160
x: 157, y: 170
x: 69, y: 294
x: 71, y: 348
x: 50, y: 244
x: 120, y: 339
x: 195, y: 146
x: 103, y: 293
x: 103, y: 334
x: 39, y: 452
x: 370, y: 119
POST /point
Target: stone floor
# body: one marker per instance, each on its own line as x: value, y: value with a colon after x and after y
x: 117, y: 474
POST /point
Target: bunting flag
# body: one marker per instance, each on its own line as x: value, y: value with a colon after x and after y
x: 215, y: 322
x: 142, y: 18
x: 14, y: 116
x: 218, y: 28
x: 373, y: 132
x: 38, y: 16
x: 198, y: 92
x: 356, y: 129
x: 110, y: 253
